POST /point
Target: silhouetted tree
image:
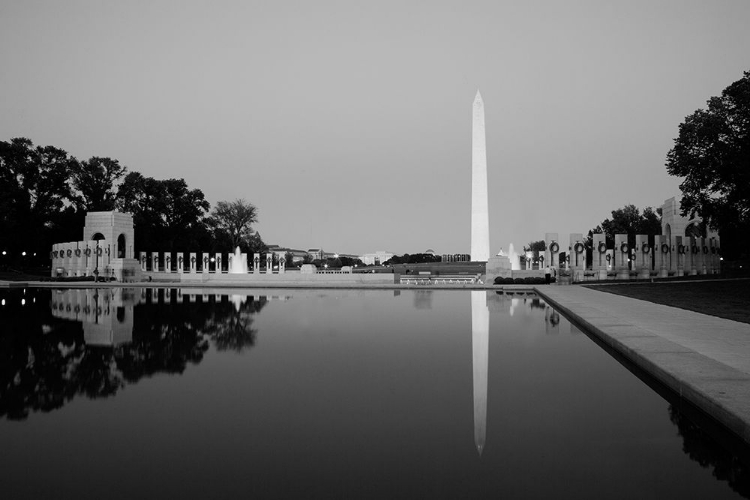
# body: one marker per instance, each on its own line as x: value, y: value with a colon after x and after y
x: 94, y: 182
x: 235, y: 218
x: 712, y: 153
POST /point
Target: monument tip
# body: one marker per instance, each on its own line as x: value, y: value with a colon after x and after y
x: 478, y: 97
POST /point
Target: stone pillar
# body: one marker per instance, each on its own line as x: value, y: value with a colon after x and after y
x: 282, y: 265
x: 256, y: 264
x: 552, y: 249
x: 168, y: 295
x: 661, y: 255
x: 702, y: 256
x: 193, y: 263
x: 672, y: 256
x: 88, y: 252
x: 244, y: 260
x: 155, y: 263
x: 599, y: 256
x: 53, y: 259
x: 167, y: 262
x: 178, y: 295
x: 693, y: 258
x: 181, y: 263
x: 218, y: 263
x: 205, y: 261
x: 642, y: 256
x: 269, y: 263
x: 678, y: 255
x: 73, y: 261
x: 143, y: 258
x: 577, y: 256
x: 620, y: 255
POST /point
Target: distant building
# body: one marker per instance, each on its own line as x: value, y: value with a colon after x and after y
x: 297, y: 255
x: 377, y: 258
x: 316, y: 253
x: 456, y: 257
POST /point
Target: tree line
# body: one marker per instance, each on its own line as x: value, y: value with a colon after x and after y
x: 46, y: 194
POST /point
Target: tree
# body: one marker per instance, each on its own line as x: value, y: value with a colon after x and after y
x: 235, y: 218
x: 256, y: 244
x: 712, y: 153
x: 628, y: 220
x: 289, y: 258
x: 167, y: 215
x: 94, y: 180
x: 34, y: 182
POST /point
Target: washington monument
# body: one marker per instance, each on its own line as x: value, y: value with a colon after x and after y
x: 480, y: 224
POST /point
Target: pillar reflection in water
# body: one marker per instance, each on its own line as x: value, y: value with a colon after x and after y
x: 480, y: 341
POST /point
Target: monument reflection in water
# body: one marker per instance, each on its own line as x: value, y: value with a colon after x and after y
x: 362, y: 394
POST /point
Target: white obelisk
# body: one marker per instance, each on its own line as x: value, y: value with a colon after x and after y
x: 480, y: 223
x: 480, y: 347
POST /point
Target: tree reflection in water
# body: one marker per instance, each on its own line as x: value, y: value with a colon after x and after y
x: 44, y: 361
x: 702, y: 447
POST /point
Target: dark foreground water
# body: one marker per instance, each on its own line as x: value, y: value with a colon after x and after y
x: 158, y: 393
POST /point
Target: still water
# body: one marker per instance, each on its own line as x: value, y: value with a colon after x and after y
x: 169, y: 393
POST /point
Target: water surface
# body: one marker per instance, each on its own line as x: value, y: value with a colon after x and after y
x: 126, y: 393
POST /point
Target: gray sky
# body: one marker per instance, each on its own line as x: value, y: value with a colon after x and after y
x: 349, y: 123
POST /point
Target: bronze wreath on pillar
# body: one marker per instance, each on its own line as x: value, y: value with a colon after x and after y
x: 78, y: 252
x: 602, y: 247
x: 624, y: 247
x: 681, y: 249
x: 645, y: 248
x: 664, y: 248
x: 70, y: 252
x: 554, y: 247
x: 578, y: 247
x: 705, y: 249
x: 87, y: 252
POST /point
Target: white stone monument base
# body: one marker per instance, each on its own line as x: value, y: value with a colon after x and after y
x: 126, y: 269
x: 497, y: 267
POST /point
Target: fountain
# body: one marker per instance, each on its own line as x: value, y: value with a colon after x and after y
x: 515, y: 260
x: 238, y: 266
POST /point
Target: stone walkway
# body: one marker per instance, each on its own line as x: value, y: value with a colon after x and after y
x: 704, y: 359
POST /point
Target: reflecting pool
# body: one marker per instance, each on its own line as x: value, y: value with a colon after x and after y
x: 154, y: 392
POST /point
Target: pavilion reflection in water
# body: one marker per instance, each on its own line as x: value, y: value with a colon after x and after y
x: 106, y: 314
